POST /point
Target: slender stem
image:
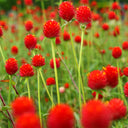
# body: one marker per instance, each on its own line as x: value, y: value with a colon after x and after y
x: 28, y: 88
x: 42, y: 5
x: 5, y: 115
x: 2, y: 54
x: 55, y: 70
x: 52, y: 94
x: 9, y: 94
x: 45, y: 86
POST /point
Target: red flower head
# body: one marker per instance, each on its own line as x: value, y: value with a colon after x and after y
x: 97, y: 35
x: 66, y: 36
x: 125, y: 7
x: 26, y: 70
x: 95, y: 17
x: 14, y: 50
x: 38, y: 46
x: 61, y: 116
x: 66, y: 10
x: 105, y: 26
x: 115, y: 6
x: 78, y: 39
x: 102, y: 52
x: 112, y: 76
x: 22, y: 105
x: 125, y: 71
x: 97, y: 80
x: 83, y: 14
x: 111, y: 15
x: 58, y: 41
x: 126, y: 89
x: 66, y: 85
x: 38, y: 61
x: 51, y: 29
x: 117, y: 108
x: 50, y: 81
x: 93, y: 4
x: 116, y: 52
x: 28, y: 25
x: 52, y: 63
x: 11, y: 66
x: 116, y: 31
x: 28, y: 120
x: 1, y: 32
x: 28, y: 2
x: 84, y: 1
x: 125, y: 45
x: 30, y: 41
x: 95, y: 114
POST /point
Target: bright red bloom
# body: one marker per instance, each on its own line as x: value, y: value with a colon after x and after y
x: 83, y: 14
x: 58, y: 41
x: 61, y: 116
x: 14, y: 50
x: 66, y: 85
x: 97, y: 35
x: 84, y: 1
x: 115, y: 6
x: 126, y: 89
x: 95, y: 16
x: 1, y: 32
x: 111, y: 15
x: 102, y: 51
x: 66, y: 36
x: 26, y: 70
x: 125, y: 7
x: 30, y: 41
x: 117, y: 108
x: 125, y: 71
x: 11, y: 66
x: 97, y: 80
x: 125, y: 45
x: 66, y: 10
x: 116, y: 31
x: 28, y: 25
x: 116, y: 52
x: 22, y: 105
x: 38, y: 46
x: 38, y: 60
x: 28, y: 120
x: 95, y: 114
x: 52, y: 63
x: 50, y: 81
x: 51, y: 29
x: 105, y: 26
x: 78, y: 39
x: 28, y: 2
x: 112, y: 76
x: 93, y: 4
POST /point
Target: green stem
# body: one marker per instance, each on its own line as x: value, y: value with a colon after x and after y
x: 52, y: 94
x: 2, y: 54
x: 28, y: 87
x: 55, y: 70
x: 42, y: 5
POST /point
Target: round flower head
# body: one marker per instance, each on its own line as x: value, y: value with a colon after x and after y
x: 50, y: 81
x: 30, y: 41
x: 125, y: 71
x: 11, y: 66
x: 125, y: 45
x: 115, y: 6
x: 26, y: 70
x: 22, y: 105
x: 51, y: 29
x: 111, y: 15
x: 78, y: 39
x: 93, y: 3
x: 117, y: 108
x: 14, y: 50
x: 28, y: 120
x: 95, y: 114
x: 61, y: 116
x: 1, y: 32
x: 66, y: 10
x: 125, y: 7
x: 97, y: 80
x: 52, y: 63
x: 116, y: 52
x: 28, y: 2
x: 66, y: 36
x: 84, y: 1
x: 126, y: 89
x: 83, y: 14
x: 38, y: 61
x: 97, y: 35
x: 28, y: 25
x: 58, y: 41
x: 105, y: 26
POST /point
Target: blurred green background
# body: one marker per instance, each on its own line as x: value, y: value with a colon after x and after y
x: 7, y: 4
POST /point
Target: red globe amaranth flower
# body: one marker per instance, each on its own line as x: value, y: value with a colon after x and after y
x: 78, y: 39
x: 116, y: 52
x: 125, y: 71
x: 125, y: 45
x: 84, y: 1
x: 97, y: 35
x: 126, y: 89
x: 38, y: 60
x: 28, y: 25
x: 95, y: 16
x: 97, y: 80
x: 61, y: 116
x: 112, y: 76
x: 125, y: 7
x: 93, y: 4
x: 105, y: 26
x: 58, y: 41
x: 111, y: 15
x: 83, y: 14
x: 116, y: 31
x: 50, y: 81
x: 28, y: 120
x: 99, y: 95
x: 66, y: 10
x: 95, y: 114
x: 28, y: 2
x: 11, y: 66
x: 51, y: 29
x: 102, y: 52
x: 1, y: 32
x: 14, y: 50
x: 117, y: 108
x: 30, y: 41
x: 38, y: 46
x: 22, y: 105
x: 66, y: 36
x: 52, y: 63
x: 116, y: 6
x: 66, y: 85
x: 26, y: 70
